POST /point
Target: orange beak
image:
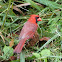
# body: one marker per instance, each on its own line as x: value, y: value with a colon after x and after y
x: 39, y: 19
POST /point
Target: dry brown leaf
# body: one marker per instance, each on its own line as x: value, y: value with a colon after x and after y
x: 11, y: 43
x: 21, y: 5
x: 17, y: 9
x: 26, y: 4
x: 12, y: 58
x: 43, y: 41
x: 44, y: 38
x: 34, y: 40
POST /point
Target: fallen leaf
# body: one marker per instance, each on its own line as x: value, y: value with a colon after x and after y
x: 44, y: 38
x: 26, y: 4
x: 13, y: 58
x: 17, y: 9
x: 33, y: 41
x: 11, y: 43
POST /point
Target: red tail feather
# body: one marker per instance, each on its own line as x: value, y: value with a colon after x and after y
x: 19, y: 46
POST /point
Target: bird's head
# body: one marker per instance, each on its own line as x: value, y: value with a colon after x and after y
x: 34, y: 18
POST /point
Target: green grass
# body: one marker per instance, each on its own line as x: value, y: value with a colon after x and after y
x: 51, y: 26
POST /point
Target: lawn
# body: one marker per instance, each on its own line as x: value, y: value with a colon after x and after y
x: 46, y: 45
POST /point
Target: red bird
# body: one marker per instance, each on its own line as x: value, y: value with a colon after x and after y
x: 27, y: 31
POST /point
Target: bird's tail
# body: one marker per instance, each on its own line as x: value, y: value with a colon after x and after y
x: 20, y: 45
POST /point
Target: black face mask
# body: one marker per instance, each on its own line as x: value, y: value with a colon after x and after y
x: 36, y: 19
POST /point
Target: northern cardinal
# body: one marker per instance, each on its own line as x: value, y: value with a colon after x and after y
x: 27, y: 32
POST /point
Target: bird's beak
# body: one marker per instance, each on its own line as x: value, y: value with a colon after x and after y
x: 39, y: 19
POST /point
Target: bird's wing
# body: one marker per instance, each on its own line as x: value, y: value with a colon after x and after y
x: 28, y: 30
